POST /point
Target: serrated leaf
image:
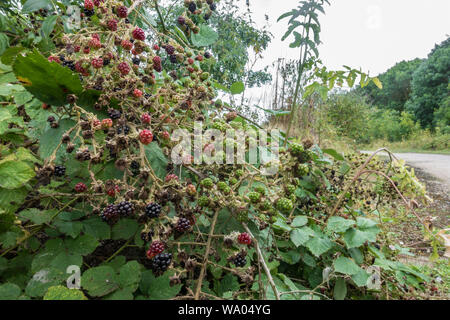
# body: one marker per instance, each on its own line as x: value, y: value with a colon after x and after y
x: 48, y: 81
x: 319, y: 246
x: 346, y: 266
x: 14, y: 174
x: 336, y: 155
x: 4, y: 43
x: 158, y: 288
x: 237, y: 87
x: 355, y: 238
x: 63, y: 293
x: 34, y: 5
x: 48, y: 25
x: 130, y: 276
x: 360, y: 278
x: 50, y: 139
x: 37, y: 216
x: 9, y: 291
x: 124, y: 229
x: 298, y: 237
x: 157, y: 159
x: 205, y: 37
x: 340, y: 289
x: 100, y: 281
x: 339, y: 224
x: 299, y: 221
x: 95, y: 227
x: 42, y: 280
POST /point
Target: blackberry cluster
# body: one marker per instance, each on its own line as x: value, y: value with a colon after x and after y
x: 125, y: 209
x: 135, y: 168
x: 88, y: 13
x: 110, y: 214
x: 60, y: 171
x: 114, y: 114
x: 239, y: 261
x: 153, y: 210
x: 161, y: 262
x: 183, y: 225
x: 123, y: 129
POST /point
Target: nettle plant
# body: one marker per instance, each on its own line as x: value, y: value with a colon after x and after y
x: 88, y: 187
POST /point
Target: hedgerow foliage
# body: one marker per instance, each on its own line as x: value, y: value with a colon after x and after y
x: 86, y: 178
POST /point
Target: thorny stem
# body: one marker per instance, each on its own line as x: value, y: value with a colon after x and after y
x: 205, y: 260
x: 263, y: 262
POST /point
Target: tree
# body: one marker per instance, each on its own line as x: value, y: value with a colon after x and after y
x: 430, y: 85
x: 396, y: 86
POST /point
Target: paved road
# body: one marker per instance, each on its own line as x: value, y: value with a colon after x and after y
x: 437, y: 165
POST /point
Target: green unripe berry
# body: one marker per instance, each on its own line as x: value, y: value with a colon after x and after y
x: 203, y: 201
x: 302, y: 170
x: 265, y: 205
x: 242, y: 216
x: 296, y: 149
x: 261, y: 190
x: 233, y: 180
x: 290, y: 189
x: 207, y: 183
x: 239, y: 173
x: 285, y: 205
x: 254, y: 197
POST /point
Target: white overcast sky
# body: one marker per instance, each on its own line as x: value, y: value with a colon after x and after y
x: 371, y: 34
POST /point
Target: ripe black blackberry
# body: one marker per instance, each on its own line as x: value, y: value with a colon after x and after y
x: 153, y: 210
x: 239, y: 261
x: 147, y: 236
x: 125, y: 209
x: 192, y: 7
x: 88, y: 13
x: 213, y: 6
x: 69, y: 64
x: 135, y: 168
x: 123, y: 129
x: 114, y: 114
x: 183, y: 225
x: 106, y: 62
x: 60, y: 171
x: 173, y: 58
x: 110, y: 214
x: 98, y: 87
x: 207, y: 55
x: 136, y: 61
x: 161, y: 262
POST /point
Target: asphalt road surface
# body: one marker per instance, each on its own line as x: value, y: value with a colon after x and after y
x: 437, y: 165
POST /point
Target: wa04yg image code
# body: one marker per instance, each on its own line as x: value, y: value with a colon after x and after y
x: 229, y: 309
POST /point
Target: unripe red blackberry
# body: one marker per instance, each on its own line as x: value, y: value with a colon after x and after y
x: 137, y: 93
x: 126, y: 44
x: 165, y: 135
x: 80, y: 187
x: 170, y: 50
x: 146, y: 118
x: 107, y: 123
x: 156, y: 47
x: 181, y: 20
x: 88, y: 4
x: 124, y: 68
x: 122, y: 11
x: 97, y: 63
x: 156, y: 248
x: 171, y: 177
x: 112, y: 25
x: 138, y: 34
x: 145, y: 137
x: 244, y: 238
x: 183, y: 225
x: 191, y: 190
x: 94, y: 43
